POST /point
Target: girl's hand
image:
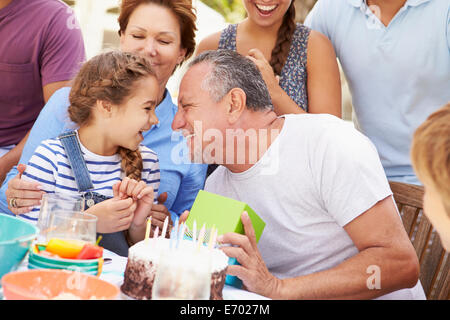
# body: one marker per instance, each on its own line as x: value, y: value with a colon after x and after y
x: 266, y: 70
x: 113, y: 214
x: 129, y: 188
x: 139, y: 192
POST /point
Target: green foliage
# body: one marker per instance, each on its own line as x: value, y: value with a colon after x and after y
x: 232, y: 10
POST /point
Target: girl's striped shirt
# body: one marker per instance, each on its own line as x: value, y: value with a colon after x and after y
x: 50, y: 166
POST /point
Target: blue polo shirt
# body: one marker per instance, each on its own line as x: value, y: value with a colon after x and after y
x: 398, y: 75
x: 179, y: 178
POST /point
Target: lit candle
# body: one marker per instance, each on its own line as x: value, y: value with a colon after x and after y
x: 201, y: 236
x: 194, y: 232
x: 147, y: 229
x: 164, y: 230
x: 176, y: 227
x: 212, y: 237
x: 180, y: 233
x: 174, y: 233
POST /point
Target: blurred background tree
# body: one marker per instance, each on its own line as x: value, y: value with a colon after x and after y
x: 233, y: 10
x: 100, y: 28
x: 302, y: 8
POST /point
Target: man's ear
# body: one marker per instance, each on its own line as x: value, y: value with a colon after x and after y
x: 236, y: 104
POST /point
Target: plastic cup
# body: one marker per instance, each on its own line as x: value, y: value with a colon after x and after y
x: 52, y: 202
x: 72, y: 226
x: 182, y: 276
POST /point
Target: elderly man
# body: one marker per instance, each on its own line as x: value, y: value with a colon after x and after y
x: 332, y: 228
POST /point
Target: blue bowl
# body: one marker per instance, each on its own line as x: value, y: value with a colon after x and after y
x: 16, y: 237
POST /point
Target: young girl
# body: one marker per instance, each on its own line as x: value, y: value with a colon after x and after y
x: 112, y: 100
x: 298, y: 65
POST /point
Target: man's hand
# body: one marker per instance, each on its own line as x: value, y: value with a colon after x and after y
x: 252, y: 271
x: 26, y: 193
x: 183, y: 217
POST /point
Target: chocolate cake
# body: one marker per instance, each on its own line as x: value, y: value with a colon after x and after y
x: 142, y: 265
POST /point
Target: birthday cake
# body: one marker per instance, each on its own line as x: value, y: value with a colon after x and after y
x: 143, y: 261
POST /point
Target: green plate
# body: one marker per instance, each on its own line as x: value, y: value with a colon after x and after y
x: 92, y: 271
x: 59, y: 266
x: 63, y: 262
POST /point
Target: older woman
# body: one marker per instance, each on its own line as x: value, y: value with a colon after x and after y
x: 162, y: 31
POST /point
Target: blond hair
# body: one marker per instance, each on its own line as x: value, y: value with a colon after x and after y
x: 109, y: 77
x: 430, y: 152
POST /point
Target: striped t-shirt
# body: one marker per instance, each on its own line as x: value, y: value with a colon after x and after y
x: 50, y: 166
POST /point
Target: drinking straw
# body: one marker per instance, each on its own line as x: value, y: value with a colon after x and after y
x: 98, y: 240
x: 180, y: 234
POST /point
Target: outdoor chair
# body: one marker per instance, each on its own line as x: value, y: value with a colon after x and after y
x: 433, y: 259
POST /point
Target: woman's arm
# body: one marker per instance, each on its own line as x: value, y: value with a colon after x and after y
x: 41, y: 169
x: 211, y: 42
x: 12, y: 157
x: 323, y: 79
x: 323, y: 82
x: 49, y: 124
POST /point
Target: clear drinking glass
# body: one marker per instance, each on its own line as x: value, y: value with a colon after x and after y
x: 52, y: 202
x: 73, y: 226
x: 182, y: 275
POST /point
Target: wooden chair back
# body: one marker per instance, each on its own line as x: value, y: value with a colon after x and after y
x: 434, y: 260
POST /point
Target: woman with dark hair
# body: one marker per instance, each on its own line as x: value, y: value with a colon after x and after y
x: 163, y: 32
x: 298, y: 65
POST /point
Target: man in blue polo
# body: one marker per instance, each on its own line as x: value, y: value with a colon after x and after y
x: 396, y: 57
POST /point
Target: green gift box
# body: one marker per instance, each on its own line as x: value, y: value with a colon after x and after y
x: 224, y: 213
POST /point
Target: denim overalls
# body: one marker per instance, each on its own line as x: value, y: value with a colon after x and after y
x: 115, y: 241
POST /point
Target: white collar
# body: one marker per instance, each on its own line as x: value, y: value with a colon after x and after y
x: 412, y: 3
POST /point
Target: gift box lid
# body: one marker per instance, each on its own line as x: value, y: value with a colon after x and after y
x: 223, y: 213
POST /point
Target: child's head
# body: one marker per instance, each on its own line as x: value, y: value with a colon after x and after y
x: 116, y: 93
x: 430, y: 155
